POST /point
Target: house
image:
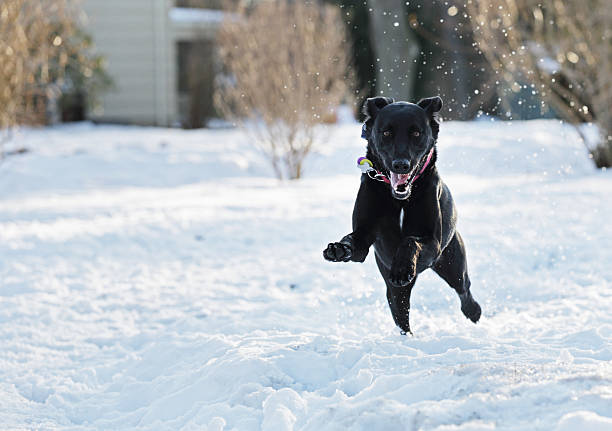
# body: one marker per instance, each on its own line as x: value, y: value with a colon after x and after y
x: 160, y: 58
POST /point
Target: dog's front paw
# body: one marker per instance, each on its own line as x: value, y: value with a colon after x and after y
x: 403, y: 270
x: 401, y: 275
x: 338, y: 252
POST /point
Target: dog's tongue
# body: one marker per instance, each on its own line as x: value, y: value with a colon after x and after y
x: 398, y: 179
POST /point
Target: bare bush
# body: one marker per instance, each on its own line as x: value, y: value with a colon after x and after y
x: 32, y: 49
x: 288, y: 70
x: 43, y: 54
x: 563, y: 49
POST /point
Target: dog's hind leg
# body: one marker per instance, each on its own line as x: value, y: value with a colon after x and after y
x: 398, y: 299
x: 452, y: 267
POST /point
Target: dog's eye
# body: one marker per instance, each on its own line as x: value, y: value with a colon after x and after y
x: 387, y: 133
x: 416, y: 133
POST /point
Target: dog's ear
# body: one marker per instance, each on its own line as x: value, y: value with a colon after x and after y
x: 373, y: 105
x: 432, y: 106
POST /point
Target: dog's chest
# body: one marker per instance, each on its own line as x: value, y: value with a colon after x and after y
x: 406, y: 220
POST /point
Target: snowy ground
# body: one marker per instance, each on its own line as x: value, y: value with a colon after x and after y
x: 155, y: 279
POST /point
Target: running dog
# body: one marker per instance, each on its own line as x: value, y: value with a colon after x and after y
x: 403, y: 208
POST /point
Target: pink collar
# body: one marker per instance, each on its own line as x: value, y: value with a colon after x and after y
x: 429, y: 156
x: 367, y: 167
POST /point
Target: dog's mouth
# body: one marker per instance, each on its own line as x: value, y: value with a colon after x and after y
x: 401, y: 184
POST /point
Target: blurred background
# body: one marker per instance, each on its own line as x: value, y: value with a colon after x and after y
x: 212, y: 63
x: 157, y: 278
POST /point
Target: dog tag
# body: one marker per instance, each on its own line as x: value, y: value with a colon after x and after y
x: 364, y: 164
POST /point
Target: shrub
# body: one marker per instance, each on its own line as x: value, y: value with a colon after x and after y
x: 563, y: 49
x: 287, y: 69
x: 42, y: 54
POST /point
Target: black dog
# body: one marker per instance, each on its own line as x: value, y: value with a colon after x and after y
x: 409, y: 214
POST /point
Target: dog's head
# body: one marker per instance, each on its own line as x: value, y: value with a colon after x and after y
x: 400, y: 136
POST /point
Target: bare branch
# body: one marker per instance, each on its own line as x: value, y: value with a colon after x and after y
x: 287, y: 72
x: 563, y: 49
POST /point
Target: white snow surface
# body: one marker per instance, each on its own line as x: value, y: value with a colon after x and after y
x: 159, y: 279
x: 185, y: 15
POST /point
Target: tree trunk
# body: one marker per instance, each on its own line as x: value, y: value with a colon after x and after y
x: 395, y: 47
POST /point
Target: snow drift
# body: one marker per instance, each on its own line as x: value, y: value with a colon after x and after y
x: 156, y: 279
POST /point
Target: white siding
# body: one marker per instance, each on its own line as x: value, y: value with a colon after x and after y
x: 134, y: 38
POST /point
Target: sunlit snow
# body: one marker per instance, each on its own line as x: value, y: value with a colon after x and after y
x: 155, y: 279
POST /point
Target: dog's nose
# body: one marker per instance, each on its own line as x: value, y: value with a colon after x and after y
x: 401, y: 166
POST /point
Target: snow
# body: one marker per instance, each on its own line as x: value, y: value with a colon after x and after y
x: 584, y: 420
x: 158, y: 279
x: 185, y: 15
